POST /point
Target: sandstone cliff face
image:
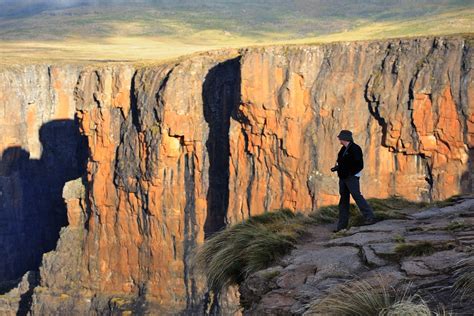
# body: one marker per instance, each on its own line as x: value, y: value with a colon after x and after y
x: 147, y: 180
x: 40, y: 150
x: 409, y: 104
x: 178, y: 151
x: 429, y: 115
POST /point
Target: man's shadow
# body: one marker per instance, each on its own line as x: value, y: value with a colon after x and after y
x: 32, y: 210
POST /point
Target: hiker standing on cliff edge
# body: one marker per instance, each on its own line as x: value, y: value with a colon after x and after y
x: 349, y: 166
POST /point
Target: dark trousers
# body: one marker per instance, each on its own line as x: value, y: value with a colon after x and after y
x: 350, y: 186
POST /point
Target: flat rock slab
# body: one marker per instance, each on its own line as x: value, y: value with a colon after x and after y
x: 306, y: 293
x: 465, y: 206
x: 390, y: 274
x: 436, y: 224
x: 328, y: 262
x: 465, y: 238
x: 292, y: 278
x: 327, y: 256
x: 416, y: 267
x: 392, y: 226
x: 443, y: 260
x: 435, y: 237
x: 371, y: 258
x: 360, y: 239
x: 384, y: 249
x: 275, y: 302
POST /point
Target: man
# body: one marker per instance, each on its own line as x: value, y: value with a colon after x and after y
x: 349, y: 166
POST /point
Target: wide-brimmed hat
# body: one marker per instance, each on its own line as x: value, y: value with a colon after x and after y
x: 345, y: 135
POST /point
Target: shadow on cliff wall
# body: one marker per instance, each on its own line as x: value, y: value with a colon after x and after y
x: 221, y: 97
x: 31, y: 203
x: 467, y: 179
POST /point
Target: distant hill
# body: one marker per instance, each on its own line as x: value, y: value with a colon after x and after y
x: 204, y: 24
x: 48, y: 20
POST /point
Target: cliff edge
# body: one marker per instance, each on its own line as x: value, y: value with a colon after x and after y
x: 177, y: 151
x: 423, y: 254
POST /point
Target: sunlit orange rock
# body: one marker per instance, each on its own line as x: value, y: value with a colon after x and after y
x: 179, y: 150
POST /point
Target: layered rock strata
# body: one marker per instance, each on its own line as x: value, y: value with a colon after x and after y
x: 179, y: 150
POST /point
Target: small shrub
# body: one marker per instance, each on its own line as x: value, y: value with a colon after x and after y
x: 231, y: 254
x: 361, y: 298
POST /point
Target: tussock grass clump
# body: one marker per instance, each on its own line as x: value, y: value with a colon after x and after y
x: 464, y: 285
x: 361, y: 298
x: 414, y: 249
x: 407, y: 308
x: 231, y: 254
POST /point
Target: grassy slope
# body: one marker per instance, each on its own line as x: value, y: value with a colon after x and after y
x: 147, y: 32
x: 237, y: 251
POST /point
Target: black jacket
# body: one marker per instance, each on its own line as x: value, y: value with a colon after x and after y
x: 349, y: 162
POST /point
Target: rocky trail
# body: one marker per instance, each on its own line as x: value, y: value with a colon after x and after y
x: 324, y: 260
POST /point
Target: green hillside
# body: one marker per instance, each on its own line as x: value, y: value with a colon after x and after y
x: 113, y: 29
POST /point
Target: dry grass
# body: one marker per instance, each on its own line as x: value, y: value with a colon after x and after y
x: 361, y: 298
x: 230, y: 255
x: 464, y: 285
x: 407, y: 308
x: 414, y: 249
x: 122, y: 49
